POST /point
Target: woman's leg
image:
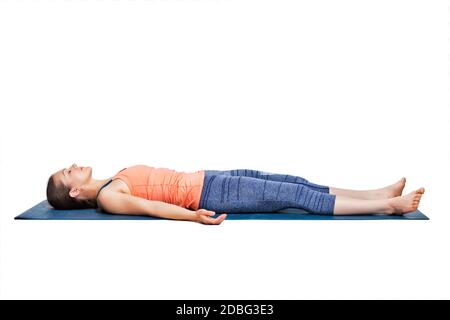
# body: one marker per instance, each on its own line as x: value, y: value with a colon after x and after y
x: 234, y: 194
x: 390, y: 191
x: 397, y: 205
x: 264, y: 175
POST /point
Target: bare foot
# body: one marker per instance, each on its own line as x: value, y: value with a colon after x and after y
x: 392, y: 191
x: 407, y: 203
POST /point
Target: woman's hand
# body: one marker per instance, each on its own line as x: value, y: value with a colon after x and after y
x: 204, y: 217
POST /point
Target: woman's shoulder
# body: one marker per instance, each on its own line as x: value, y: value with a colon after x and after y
x: 118, y: 185
x: 108, y: 193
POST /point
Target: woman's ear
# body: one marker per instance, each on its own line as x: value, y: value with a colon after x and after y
x: 74, y: 192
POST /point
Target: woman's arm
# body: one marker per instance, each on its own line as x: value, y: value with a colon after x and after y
x: 122, y: 203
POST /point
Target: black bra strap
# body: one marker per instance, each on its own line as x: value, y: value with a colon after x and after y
x: 110, y: 180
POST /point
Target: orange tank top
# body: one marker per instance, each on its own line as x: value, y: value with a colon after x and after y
x: 162, y: 184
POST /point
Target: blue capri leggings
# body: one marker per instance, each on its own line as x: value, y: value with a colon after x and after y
x: 246, y: 190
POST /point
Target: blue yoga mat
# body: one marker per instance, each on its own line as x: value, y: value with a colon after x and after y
x: 44, y: 211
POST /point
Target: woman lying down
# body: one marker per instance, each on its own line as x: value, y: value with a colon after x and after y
x: 197, y: 196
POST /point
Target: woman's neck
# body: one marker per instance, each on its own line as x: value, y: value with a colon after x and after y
x: 91, y: 190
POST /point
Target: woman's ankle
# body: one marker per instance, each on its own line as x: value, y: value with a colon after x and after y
x: 387, y: 207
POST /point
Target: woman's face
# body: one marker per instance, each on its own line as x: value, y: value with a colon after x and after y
x: 74, y: 176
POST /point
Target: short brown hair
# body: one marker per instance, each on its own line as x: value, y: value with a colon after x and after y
x: 58, y: 196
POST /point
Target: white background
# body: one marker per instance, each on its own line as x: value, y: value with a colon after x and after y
x: 351, y: 94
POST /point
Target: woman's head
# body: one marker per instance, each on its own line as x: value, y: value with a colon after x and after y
x: 68, y: 188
